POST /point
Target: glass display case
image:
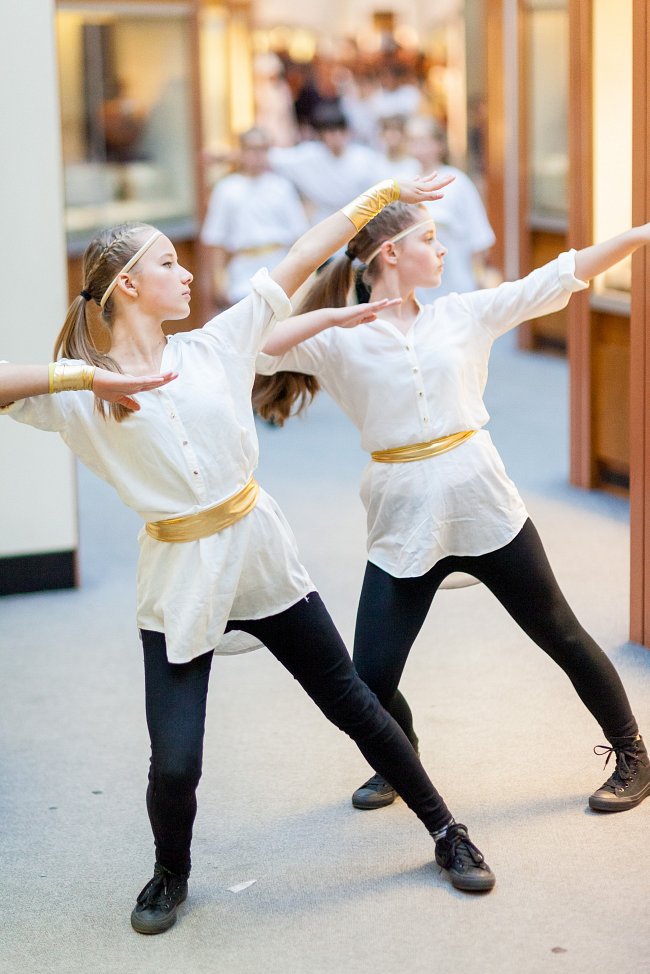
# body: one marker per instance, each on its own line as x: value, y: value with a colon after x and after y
x: 547, y: 85
x: 126, y: 117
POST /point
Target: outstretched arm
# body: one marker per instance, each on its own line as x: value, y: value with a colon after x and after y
x: 320, y: 242
x: 292, y: 331
x: 22, y: 381
x: 595, y: 260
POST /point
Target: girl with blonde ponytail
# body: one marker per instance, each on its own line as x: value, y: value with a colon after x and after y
x: 218, y: 569
x: 437, y: 497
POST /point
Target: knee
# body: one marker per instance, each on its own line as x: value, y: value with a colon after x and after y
x: 175, y: 773
x: 358, y: 711
x: 569, y: 643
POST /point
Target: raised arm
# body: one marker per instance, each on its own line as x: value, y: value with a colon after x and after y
x: 290, y: 332
x: 22, y: 381
x: 320, y: 242
x: 595, y: 260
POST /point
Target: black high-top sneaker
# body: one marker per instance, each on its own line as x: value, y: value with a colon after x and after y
x: 156, y: 906
x: 374, y: 793
x: 630, y: 782
x: 464, y: 862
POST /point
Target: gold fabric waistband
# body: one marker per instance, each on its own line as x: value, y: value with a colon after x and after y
x: 191, y: 527
x: 260, y: 250
x: 420, y: 451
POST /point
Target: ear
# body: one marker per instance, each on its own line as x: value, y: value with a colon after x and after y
x: 388, y: 252
x: 126, y: 285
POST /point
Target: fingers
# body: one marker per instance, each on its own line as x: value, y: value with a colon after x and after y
x: 146, y: 382
x: 377, y: 305
x: 130, y: 403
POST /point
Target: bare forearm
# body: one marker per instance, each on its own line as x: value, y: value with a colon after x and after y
x: 292, y: 331
x: 21, y: 381
x: 595, y: 260
x: 311, y: 250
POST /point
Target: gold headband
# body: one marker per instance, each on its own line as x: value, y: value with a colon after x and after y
x: 127, y: 267
x: 398, y: 236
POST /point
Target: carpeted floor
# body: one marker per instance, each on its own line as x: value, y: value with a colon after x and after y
x: 335, y: 890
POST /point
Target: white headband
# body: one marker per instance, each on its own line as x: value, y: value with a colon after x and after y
x: 129, y: 264
x: 398, y: 236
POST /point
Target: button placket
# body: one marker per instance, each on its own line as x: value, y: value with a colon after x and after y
x: 423, y: 409
x: 180, y: 433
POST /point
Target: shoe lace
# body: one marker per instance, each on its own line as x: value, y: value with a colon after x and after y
x: 158, y: 891
x: 626, y: 764
x: 376, y: 783
x: 463, y: 849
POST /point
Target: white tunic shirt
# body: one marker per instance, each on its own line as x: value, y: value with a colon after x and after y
x: 404, y: 389
x: 248, y: 212
x: 193, y: 444
x: 328, y: 181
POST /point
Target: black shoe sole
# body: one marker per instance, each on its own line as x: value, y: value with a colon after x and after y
x: 161, y: 926
x: 471, y: 884
x: 367, y: 805
x: 618, y: 805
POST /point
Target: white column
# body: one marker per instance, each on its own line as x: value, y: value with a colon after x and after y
x: 37, y: 481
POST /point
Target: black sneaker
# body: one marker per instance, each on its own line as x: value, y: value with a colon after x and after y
x: 629, y: 784
x: 155, y: 909
x: 465, y: 863
x: 374, y: 793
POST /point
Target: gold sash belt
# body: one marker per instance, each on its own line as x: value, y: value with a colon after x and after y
x: 420, y: 451
x: 191, y: 527
x: 260, y: 250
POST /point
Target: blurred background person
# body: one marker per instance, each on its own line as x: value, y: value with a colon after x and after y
x: 461, y: 221
x: 392, y: 140
x: 398, y: 94
x: 253, y: 217
x: 274, y: 108
x: 331, y: 169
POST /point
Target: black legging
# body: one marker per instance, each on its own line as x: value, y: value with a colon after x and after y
x: 305, y: 641
x: 392, y: 611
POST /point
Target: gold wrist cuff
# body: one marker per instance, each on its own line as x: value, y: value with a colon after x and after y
x: 70, y: 378
x: 362, y: 210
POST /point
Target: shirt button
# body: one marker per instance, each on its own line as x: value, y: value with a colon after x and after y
x: 415, y: 368
x: 420, y: 394
x: 184, y: 442
x: 407, y: 348
x: 425, y: 419
x: 195, y: 472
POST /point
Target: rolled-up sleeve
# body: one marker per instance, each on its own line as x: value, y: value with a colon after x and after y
x: 245, y: 326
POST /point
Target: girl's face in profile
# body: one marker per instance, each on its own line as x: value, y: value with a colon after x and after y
x: 421, y: 258
x: 163, y: 285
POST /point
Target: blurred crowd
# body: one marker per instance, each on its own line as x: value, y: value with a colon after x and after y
x: 324, y: 132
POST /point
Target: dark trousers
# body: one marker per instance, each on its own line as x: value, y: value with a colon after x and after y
x: 392, y: 611
x: 305, y: 641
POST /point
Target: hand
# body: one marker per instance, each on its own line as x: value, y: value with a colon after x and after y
x: 423, y: 188
x: 119, y: 388
x: 359, y: 314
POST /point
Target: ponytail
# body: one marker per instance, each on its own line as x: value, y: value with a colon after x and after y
x: 105, y: 256
x: 277, y: 397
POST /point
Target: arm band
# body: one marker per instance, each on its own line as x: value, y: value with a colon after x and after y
x: 362, y: 210
x: 70, y: 378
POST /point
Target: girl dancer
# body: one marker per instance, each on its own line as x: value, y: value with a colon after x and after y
x: 217, y: 558
x: 438, y: 499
